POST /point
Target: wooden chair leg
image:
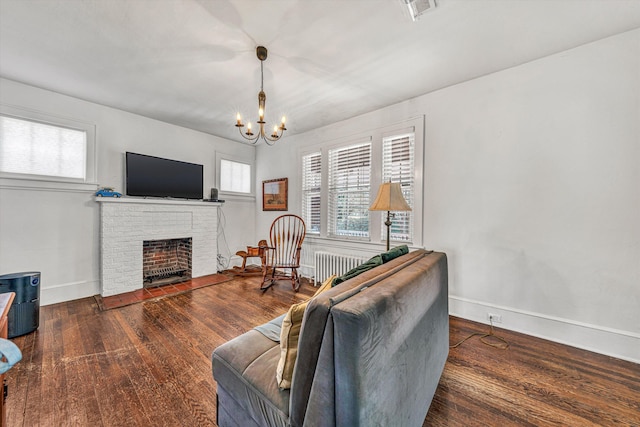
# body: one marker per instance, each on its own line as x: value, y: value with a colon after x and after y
x: 265, y: 279
x: 265, y: 272
x: 295, y: 279
x: 263, y: 288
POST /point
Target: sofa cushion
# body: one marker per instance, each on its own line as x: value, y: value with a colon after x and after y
x: 365, y: 266
x: 289, y: 335
x: 272, y: 328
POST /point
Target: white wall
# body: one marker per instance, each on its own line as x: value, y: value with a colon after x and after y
x: 532, y: 188
x: 57, y: 232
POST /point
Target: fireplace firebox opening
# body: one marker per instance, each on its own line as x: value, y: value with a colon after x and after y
x: 166, y: 261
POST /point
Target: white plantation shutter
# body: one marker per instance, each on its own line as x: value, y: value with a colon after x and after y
x: 235, y: 176
x: 398, y: 166
x: 311, y: 186
x: 33, y: 148
x: 349, y: 190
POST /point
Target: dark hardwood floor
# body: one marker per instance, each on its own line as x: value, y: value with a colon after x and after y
x: 148, y: 364
x: 533, y: 383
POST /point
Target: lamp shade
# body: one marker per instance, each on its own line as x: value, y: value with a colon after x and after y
x: 390, y: 198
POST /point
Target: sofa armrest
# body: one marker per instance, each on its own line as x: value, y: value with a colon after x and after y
x: 245, y: 371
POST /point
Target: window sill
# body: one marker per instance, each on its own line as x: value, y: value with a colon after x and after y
x: 237, y: 197
x: 42, y: 185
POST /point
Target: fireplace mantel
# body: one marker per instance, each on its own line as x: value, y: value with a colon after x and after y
x: 126, y: 222
x: 142, y: 200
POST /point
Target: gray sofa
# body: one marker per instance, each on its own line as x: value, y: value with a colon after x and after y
x: 370, y: 353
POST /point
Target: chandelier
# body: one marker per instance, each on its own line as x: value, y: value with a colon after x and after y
x: 261, y: 52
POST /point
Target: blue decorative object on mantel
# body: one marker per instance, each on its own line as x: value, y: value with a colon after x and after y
x: 107, y: 192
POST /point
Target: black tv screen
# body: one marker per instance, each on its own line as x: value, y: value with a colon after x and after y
x: 156, y: 177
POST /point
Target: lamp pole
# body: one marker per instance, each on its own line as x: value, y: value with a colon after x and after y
x: 388, y: 224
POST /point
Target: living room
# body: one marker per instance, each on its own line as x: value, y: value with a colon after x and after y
x: 529, y: 175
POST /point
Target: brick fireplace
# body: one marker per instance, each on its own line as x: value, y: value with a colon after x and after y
x: 166, y: 261
x: 125, y: 225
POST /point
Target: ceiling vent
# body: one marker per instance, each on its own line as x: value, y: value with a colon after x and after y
x: 418, y: 7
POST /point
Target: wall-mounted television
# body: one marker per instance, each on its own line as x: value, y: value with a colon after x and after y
x: 157, y: 177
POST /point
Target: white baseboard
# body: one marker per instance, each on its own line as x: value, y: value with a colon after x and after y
x: 608, y: 341
x: 68, y: 291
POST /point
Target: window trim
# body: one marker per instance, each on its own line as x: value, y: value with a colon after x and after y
x: 376, y: 237
x: 32, y: 181
x: 237, y: 158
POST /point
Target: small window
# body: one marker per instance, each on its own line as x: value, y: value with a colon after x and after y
x: 311, y: 186
x: 45, y: 150
x: 235, y: 177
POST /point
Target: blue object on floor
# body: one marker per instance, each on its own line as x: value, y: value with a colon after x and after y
x: 11, y: 352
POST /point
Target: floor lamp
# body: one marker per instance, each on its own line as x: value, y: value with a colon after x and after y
x: 389, y: 199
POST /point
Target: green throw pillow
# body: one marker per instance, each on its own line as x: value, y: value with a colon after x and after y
x: 373, y: 262
x: 394, y: 253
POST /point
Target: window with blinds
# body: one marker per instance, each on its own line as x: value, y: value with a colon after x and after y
x: 311, y: 187
x: 398, y: 166
x: 33, y: 148
x: 235, y: 176
x: 341, y: 177
x: 349, y: 191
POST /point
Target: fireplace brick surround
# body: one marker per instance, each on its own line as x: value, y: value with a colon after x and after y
x: 125, y: 223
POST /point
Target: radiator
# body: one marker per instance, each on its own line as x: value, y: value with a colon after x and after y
x: 328, y: 263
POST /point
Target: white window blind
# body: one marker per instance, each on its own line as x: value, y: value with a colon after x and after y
x: 235, y: 176
x: 398, y: 166
x: 311, y: 187
x: 349, y: 190
x: 34, y: 148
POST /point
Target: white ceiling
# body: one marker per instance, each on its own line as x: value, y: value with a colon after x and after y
x: 193, y: 62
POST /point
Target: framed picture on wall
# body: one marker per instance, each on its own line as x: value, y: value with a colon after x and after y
x: 275, y: 194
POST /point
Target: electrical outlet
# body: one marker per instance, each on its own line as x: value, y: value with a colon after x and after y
x: 495, y: 318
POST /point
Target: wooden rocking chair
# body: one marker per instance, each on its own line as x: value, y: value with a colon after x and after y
x: 285, y: 243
